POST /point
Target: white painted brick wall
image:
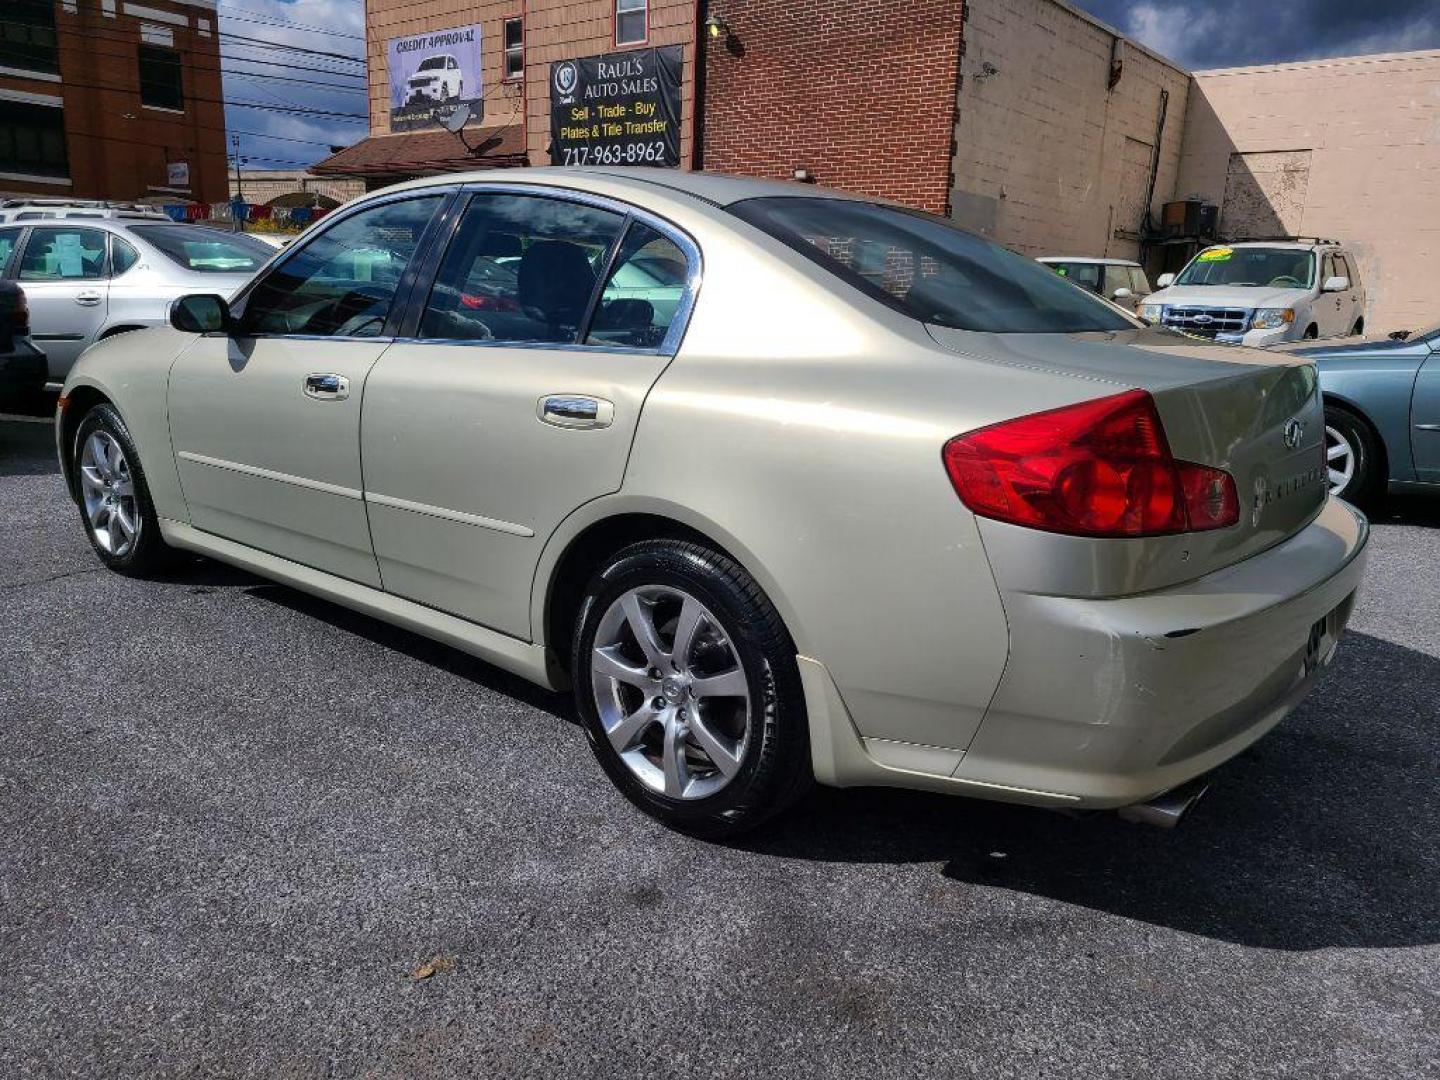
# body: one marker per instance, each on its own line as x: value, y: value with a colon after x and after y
x: 1046, y: 139
x: 1372, y: 124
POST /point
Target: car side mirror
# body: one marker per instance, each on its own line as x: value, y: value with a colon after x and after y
x: 1164, y: 281
x: 1122, y: 293
x: 1338, y: 283
x: 200, y: 313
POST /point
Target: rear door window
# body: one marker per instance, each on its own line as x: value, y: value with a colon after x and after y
x: 642, y: 293
x: 60, y: 254
x: 520, y: 268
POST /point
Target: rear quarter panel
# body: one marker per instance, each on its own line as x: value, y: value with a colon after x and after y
x: 804, y: 429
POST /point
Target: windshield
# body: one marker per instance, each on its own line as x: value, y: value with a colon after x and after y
x: 432, y: 64
x: 208, y: 251
x: 1087, y: 274
x: 1280, y: 268
x: 925, y: 267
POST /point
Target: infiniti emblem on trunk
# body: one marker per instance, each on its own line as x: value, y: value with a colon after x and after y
x: 1294, y: 432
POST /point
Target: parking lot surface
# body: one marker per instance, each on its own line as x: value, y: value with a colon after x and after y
x: 235, y: 821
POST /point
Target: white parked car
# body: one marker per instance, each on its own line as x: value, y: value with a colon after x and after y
x: 1121, y: 281
x: 438, y: 78
x: 1262, y: 293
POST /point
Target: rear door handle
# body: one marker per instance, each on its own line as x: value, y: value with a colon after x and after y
x: 88, y: 298
x: 327, y: 387
x: 575, y: 411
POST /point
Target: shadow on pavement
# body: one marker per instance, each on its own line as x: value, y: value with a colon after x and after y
x: 416, y: 647
x: 1420, y: 510
x: 1322, y: 835
x: 27, y: 448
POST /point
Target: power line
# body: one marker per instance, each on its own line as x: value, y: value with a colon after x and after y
x: 266, y: 20
x: 282, y: 78
x: 240, y: 40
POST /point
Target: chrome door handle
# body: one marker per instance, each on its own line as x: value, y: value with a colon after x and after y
x: 88, y: 299
x: 327, y: 387
x: 576, y: 411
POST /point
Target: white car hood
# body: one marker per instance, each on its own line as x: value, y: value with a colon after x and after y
x: 1255, y: 296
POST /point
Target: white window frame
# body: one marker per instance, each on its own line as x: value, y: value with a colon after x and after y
x: 629, y: 7
x: 508, y: 50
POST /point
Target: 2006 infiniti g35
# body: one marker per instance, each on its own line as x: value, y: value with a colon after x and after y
x: 784, y: 483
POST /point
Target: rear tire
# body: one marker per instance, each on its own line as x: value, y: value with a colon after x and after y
x: 1352, y: 456
x: 114, y: 499
x: 1312, y: 333
x: 705, y: 728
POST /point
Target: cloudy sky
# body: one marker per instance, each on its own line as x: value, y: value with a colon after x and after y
x: 1230, y: 33
x: 308, y: 100
x: 316, y: 98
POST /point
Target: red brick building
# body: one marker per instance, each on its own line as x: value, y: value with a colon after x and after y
x: 110, y: 99
x: 859, y: 95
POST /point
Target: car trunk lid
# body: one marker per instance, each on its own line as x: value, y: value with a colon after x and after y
x: 1256, y: 415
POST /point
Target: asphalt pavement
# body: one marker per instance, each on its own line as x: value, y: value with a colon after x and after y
x: 237, y: 822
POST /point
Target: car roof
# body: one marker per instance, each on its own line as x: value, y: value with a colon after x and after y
x: 1086, y: 259
x: 720, y: 189
x: 1293, y: 245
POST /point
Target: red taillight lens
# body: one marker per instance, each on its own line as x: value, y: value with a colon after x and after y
x: 1100, y: 468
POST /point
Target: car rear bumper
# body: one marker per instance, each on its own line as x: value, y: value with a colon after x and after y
x: 1110, y: 702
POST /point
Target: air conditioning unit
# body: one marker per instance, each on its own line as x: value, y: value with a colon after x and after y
x: 1181, y: 218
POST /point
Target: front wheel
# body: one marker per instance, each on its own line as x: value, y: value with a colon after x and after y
x: 115, y: 502
x: 688, y: 688
x: 1352, y: 459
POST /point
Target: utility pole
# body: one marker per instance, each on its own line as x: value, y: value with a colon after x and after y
x: 239, y: 188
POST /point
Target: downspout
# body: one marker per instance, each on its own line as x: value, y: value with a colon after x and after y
x: 1147, y: 226
x: 697, y: 106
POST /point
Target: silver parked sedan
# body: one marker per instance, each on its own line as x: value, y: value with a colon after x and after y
x: 831, y: 490
x: 90, y: 279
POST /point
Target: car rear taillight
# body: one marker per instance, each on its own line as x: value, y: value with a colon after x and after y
x: 1099, y: 468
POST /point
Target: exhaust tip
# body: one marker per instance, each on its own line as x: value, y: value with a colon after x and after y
x: 1165, y: 811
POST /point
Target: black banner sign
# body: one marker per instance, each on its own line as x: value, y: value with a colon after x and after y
x: 617, y: 109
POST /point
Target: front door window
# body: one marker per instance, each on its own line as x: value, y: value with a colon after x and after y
x: 343, y: 282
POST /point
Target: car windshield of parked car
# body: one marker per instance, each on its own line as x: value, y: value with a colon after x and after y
x: 207, y: 251
x: 925, y: 267
x: 1280, y: 268
x: 1086, y: 274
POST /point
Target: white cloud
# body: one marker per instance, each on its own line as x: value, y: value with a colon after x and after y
x: 1171, y: 33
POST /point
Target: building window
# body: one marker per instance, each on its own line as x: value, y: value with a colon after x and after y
x: 32, y: 139
x: 631, y: 21
x: 514, y: 48
x: 27, y: 36
x: 161, y: 86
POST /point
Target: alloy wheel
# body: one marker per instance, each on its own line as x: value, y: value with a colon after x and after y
x: 108, y: 490
x: 1339, y: 459
x: 671, y: 692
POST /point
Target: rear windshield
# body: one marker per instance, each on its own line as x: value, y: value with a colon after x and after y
x: 208, y: 251
x: 1283, y: 268
x: 925, y: 267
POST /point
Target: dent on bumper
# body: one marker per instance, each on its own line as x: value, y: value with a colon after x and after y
x: 1113, y: 701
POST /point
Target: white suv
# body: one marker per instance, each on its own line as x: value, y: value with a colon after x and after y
x: 437, y: 78
x: 1262, y: 292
